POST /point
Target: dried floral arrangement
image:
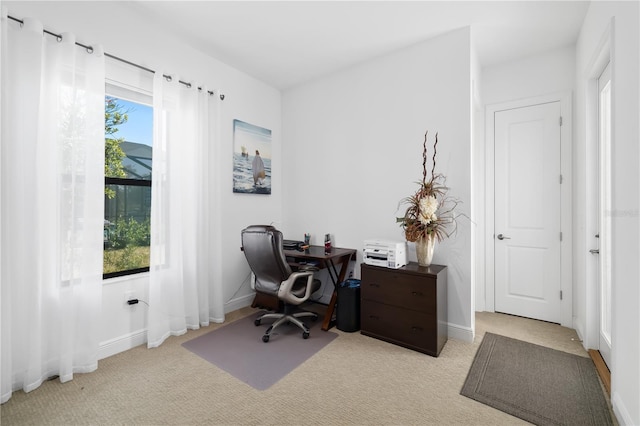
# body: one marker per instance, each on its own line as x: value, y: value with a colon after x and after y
x: 430, y: 211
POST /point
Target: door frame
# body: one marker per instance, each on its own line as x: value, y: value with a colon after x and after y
x: 602, y: 55
x: 603, y: 166
x: 565, y: 99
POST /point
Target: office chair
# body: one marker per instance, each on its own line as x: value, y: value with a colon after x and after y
x: 262, y: 246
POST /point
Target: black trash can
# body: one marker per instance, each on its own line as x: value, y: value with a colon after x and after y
x: 348, y: 310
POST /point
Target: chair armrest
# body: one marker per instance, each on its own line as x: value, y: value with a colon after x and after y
x: 284, y: 292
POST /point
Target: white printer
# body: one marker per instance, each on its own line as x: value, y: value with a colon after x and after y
x: 390, y: 254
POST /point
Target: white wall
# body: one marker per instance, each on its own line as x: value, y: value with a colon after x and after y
x: 124, y: 32
x: 353, y: 149
x: 622, y: 20
x: 547, y: 73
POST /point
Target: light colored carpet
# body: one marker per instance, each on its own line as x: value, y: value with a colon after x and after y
x: 354, y: 380
x: 541, y: 385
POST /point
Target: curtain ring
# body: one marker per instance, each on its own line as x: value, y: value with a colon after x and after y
x: 168, y: 78
x: 188, y: 85
x: 222, y: 96
x: 59, y: 38
x: 89, y: 49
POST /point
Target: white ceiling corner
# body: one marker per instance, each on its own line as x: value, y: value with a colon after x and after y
x: 285, y: 43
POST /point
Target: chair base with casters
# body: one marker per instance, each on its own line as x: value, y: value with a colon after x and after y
x: 296, y: 288
x: 288, y: 316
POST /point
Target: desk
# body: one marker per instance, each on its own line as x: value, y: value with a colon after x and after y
x: 336, y: 257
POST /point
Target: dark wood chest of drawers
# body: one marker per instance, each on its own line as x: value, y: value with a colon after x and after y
x: 406, y: 306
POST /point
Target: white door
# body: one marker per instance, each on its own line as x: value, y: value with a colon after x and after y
x: 527, y: 212
x: 603, y: 240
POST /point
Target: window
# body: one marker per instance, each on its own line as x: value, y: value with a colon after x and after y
x: 128, y: 168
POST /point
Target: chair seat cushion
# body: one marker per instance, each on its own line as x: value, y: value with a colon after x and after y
x: 300, y: 286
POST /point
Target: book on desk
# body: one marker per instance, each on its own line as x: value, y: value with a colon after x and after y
x: 294, y: 245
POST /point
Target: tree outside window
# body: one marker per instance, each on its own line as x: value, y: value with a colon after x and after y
x: 128, y: 167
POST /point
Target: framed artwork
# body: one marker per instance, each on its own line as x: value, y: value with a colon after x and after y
x: 251, y: 158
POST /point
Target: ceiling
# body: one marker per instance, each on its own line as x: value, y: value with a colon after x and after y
x: 286, y: 43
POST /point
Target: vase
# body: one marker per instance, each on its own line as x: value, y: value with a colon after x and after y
x: 424, y: 249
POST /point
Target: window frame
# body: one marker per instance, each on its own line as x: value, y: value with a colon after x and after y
x: 119, y: 90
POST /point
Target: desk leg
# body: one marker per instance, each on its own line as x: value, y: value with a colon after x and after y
x: 328, y: 318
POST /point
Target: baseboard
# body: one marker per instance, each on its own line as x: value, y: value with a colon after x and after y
x: 139, y: 337
x: 579, y: 328
x: 459, y: 332
x: 121, y: 344
x: 239, y: 303
x: 620, y: 410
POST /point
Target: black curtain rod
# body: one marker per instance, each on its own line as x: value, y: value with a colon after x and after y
x: 89, y: 49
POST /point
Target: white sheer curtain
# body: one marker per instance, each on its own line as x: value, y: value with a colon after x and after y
x: 181, y: 287
x: 52, y: 178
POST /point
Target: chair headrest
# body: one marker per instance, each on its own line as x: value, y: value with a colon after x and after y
x: 262, y: 246
x: 260, y: 228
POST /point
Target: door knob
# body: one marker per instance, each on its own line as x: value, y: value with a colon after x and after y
x: 502, y: 237
x: 594, y: 251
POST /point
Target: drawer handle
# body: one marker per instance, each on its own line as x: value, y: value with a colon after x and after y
x: 374, y: 285
x: 417, y: 293
x: 416, y: 329
x: 374, y: 317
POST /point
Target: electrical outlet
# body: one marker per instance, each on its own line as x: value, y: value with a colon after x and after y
x: 128, y: 295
